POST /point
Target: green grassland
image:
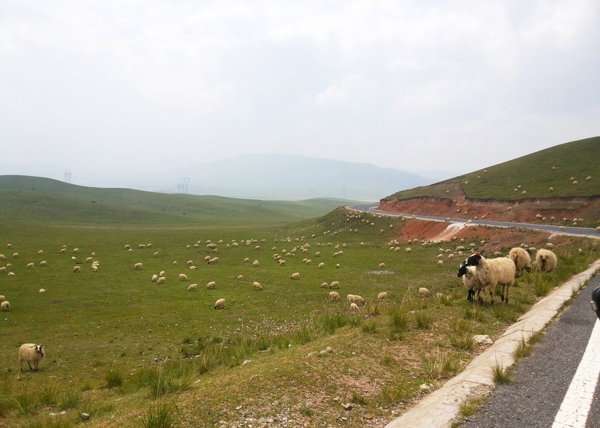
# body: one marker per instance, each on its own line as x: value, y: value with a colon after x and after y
x: 120, y: 346
x: 51, y: 202
x: 534, y: 173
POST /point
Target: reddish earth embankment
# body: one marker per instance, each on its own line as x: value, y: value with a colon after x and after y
x: 526, y: 211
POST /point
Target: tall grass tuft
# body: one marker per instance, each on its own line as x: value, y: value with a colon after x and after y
x: 424, y: 320
x: 331, y: 321
x: 162, y: 414
x: 501, y: 375
x: 114, y: 378
x: 399, y: 320
x: 48, y: 394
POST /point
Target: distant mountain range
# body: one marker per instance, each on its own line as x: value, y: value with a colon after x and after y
x: 277, y: 176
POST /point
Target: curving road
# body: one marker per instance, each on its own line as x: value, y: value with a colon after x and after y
x: 564, y: 230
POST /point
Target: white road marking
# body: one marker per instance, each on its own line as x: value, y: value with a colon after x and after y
x: 574, y: 410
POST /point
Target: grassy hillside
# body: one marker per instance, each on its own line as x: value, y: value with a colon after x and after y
x: 534, y: 174
x: 43, y: 200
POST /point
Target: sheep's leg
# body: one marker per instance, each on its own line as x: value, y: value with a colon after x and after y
x: 502, y: 295
x: 21, y: 366
x: 491, y: 298
x: 29, y: 364
x: 471, y: 295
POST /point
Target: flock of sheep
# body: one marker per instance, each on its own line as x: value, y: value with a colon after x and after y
x: 481, y: 274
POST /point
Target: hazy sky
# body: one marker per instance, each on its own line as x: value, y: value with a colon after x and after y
x: 150, y: 85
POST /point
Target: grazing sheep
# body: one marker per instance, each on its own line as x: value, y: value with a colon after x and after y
x: 423, y: 292
x: 321, y: 265
x: 42, y: 290
x: 193, y: 267
x: 3, y: 269
x: 490, y: 273
x: 89, y: 260
x: 32, y: 354
x: 337, y: 266
x: 358, y: 300
x: 76, y: 269
x: 190, y: 262
x: 281, y: 262
x: 192, y: 287
x: 175, y: 263
x: 381, y: 265
x: 257, y: 286
x: 295, y: 275
x: 324, y: 285
x: 29, y: 266
x: 63, y: 250
x: 240, y: 277
x: 407, y: 250
x: 94, y: 268
x: 2, y: 257
x: 137, y: 266
x: 141, y: 246
x: 183, y: 277
x: 161, y: 280
x: 382, y: 296
x: 255, y: 263
x: 156, y: 254
x: 76, y: 250
x: 334, y: 295
x: 521, y: 259
x: 440, y: 263
x: 127, y: 247
x: 546, y: 260
x: 318, y: 254
x: 211, y: 285
x: 5, y: 306
x: 40, y: 252
x: 8, y: 245
x: 354, y: 307
x: 154, y: 278
x: 213, y: 261
x: 15, y: 255
x: 247, y: 260
x: 220, y: 304
x: 2, y: 298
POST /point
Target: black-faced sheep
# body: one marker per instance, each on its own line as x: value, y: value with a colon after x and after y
x: 490, y: 273
x: 295, y: 275
x: 32, y: 354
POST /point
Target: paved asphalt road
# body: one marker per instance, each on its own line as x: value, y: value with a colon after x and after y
x: 579, y: 231
x: 541, y: 381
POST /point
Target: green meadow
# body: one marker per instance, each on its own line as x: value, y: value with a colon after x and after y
x: 130, y: 352
x: 557, y: 167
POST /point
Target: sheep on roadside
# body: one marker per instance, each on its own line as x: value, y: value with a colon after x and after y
x: 471, y: 283
x: 76, y: 269
x: 546, y: 260
x: 220, y: 304
x: 32, y: 354
x: 161, y: 280
x: 192, y: 287
x: 154, y: 278
x: 295, y: 275
x: 211, y: 285
x: 521, y: 259
x: 335, y: 284
x: 5, y: 306
x: 137, y: 266
x: 257, y: 286
x: 183, y: 277
x: 493, y: 272
x: 382, y: 296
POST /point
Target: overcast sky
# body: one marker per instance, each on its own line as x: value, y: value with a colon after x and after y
x: 147, y: 85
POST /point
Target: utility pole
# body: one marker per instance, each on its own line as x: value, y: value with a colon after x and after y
x: 186, y: 181
x: 67, y: 176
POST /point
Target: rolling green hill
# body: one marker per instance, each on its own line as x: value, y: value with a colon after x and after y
x: 557, y: 167
x: 43, y: 200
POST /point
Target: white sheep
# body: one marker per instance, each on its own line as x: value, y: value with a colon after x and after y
x: 76, y: 269
x: 440, y: 263
x: 381, y: 265
x: 156, y: 254
x: 324, y: 285
x: 295, y: 275
x: 94, y: 268
x: 356, y: 299
x: 211, y: 285
x: 423, y: 292
x: 334, y: 295
x: 15, y: 255
x: 137, y: 266
x: 3, y: 269
x: 161, y: 280
x: 521, y: 259
x: 193, y: 267
x: 493, y: 272
x: 2, y: 257
x: 354, y: 307
x: 257, y: 286
x: 321, y: 265
x: 213, y: 261
x: 192, y: 287
x: 255, y: 263
x: 89, y: 260
x: 407, y: 250
x: 154, y: 278
x: 42, y: 290
x: 32, y: 354
x: 162, y: 273
x: 207, y: 258
x: 5, y: 306
x: 220, y: 304
x: 175, y: 263
x: 190, y: 262
x: 382, y: 296
x: 335, y: 284
x: 2, y: 298
x: 240, y: 277
x: 29, y: 266
x: 40, y: 252
x: 183, y: 277
x: 546, y: 260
